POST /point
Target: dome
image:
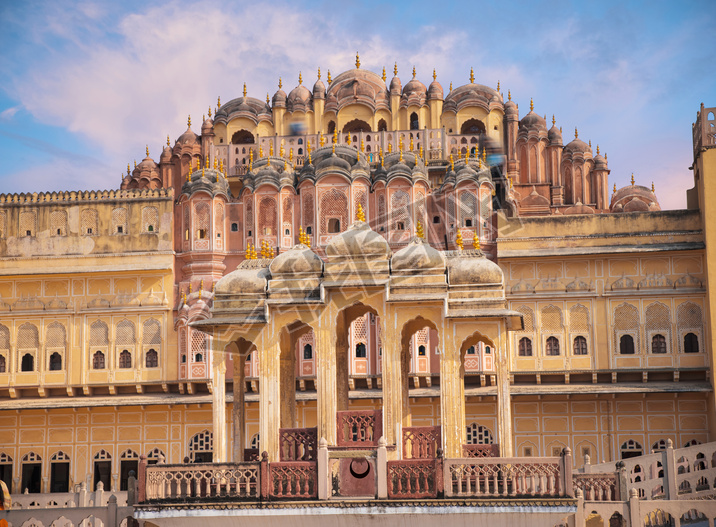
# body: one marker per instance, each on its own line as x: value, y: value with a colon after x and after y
x: 242, y: 107
x: 636, y: 205
x: 319, y: 90
x: 188, y: 137
x: 166, y: 153
x: 510, y: 108
x: 147, y: 164
x: 579, y: 208
x: 576, y: 145
x: 209, y: 180
x: 467, y: 270
x: 554, y: 135
x: 414, y: 86
x: 417, y: 255
x: 359, y: 240
x: 532, y: 121
x: 279, y: 99
x: 243, y: 281
x: 396, y: 86
x: 357, y: 86
x: 634, y: 198
x: 299, y: 259
x: 268, y: 173
x: 600, y: 162
x: 207, y: 127
x: 471, y: 95
x: 333, y: 161
x: 299, y: 99
x: 435, y: 91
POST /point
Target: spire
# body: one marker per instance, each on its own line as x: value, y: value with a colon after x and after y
x: 209, y: 112
x: 475, y: 241
x: 554, y: 121
x: 168, y: 144
x: 268, y: 101
x: 383, y: 76
x: 188, y: 122
x: 280, y: 83
x: 329, y: 78
x: 590, y: 143
x: 335, y: 135
x: 357, y: 61
x: 147, y: 150
x: 509, y: 95
x: 360, y: 215
x: 532, y: 104
x: 395, y: 70
x: 615, y: 188
x: 458, y: 239
x: 218, y: 102
x: 413, y: 71
x: 321, y: 139
x: 435, y: 76
x: 300, y: 78
x: 251, y: 159
x: 308, y: 149
x: 576, y: 133
x: 652, y: 186
x: 129, y: 172
x: 450, y: 85
x: 632, y: 179
x: 452, y: 163
x: 271, y: 149
x: 319, y: 73
x: 381, y: 157
x: 597, y: 149
x: 498, y: 86
x: 348, y: 139
x: 472, y: 76
x: 245, y: 89
x: 362, y: 145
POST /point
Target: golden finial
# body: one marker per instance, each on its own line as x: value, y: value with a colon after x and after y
x: 357, y: 61
x: 319, y: 73
x: 532, y: 104
x: 300, y: 78
x: 202, y: 171
x: 201, y: 286
x: 285, y: 165
x: 509, y: 95
x: 401, y: 152
x: 218, y: 102
x: 400, y: 142
x: 390, y: 148
x: 357, y: 156
x: 268, y: 101
x: 261, y: 151
x: 290, y: 155
x: 248, y: 252
x: 472, y: 77
x: 452, y: 163
x: 360, y: 215
x: 413, y: 71
x: 198, y: 164
x: 383, y: 76
x: 576, y: 133
x: 554, y: 121
x: 168, y: 143
x: 412, y: 146
x: 271, y: 148
x: 395, y: 70
x: 362, y: 145
x: 135, y: 163
x: 129, y: 172
x: 207, y: 162
x: 321, y: 139
x: 597, y: 149
x: 615, y: 188
x: 246, y: 91
x: 435, y: 75
x: 280, y: 83
x: 333, y: 148
x: 421, y: 153
x: 147, y: 150
x: 498, y: 86
x: 209, y: 112
x: 348, y: 139
x: 632, y: 179
x: 605, y: 156
x: 203, y: 118
x: 183, y: 297
x: 300, y: 234
x: 458, y: 239
x: 484, y: 154
x: 419, y: 230
x: 221, y: 166
x: 271, y: 252
x: 188, y: 122
x: 335, y: 135
x: 450, y: 85
x: 329, y: 78
x: 281, y: 151
x: 475, y: 241
x: 191, y: 287
x: 216, y: 164
x: 652, y: 187
x: 590, y: 143
x: 479, y: 162
x: 308, y: 149
x: 467, y: 156
x: 381, y: 159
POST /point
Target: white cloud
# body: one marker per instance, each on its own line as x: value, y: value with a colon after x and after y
x: 9, y: 113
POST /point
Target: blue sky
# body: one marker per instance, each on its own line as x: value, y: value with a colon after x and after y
x: 86, y: 85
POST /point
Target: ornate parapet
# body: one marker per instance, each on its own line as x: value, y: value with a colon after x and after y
x: 85, y: 195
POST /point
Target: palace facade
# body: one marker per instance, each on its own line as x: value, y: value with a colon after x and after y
x: 359, y: 267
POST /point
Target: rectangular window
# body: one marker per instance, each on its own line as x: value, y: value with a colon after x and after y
x: 126, y: 466
x: 31, y: 477
x: 60, y: 477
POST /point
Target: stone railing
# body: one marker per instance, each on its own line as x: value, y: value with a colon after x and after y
x: 359, y: 428
x: 598, y: 487
x: 86, y: 195
x: 414, y: 478
x: 421, y: 442
x: 479, y: 451
x: 293, y: 479
x: 509, y: 477
x: 298, y: 444
x: 207, y: 480
x: 80, y: 498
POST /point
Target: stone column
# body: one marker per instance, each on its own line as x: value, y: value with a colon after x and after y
x: 326, y: 385
x: 219, y: 405
x: 238, y: 409
x: 504, y: 399
x: 270, y: 391
x: 452, y: 398
x: 392, y: 381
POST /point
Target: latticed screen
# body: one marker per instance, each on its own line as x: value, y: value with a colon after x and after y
x: 60, y: 456
x: 201, y: 442
x: 56, y: 336
x: 334, y: 204
x: 202, y: 217
x: 689, y: 316
x: 420, y: 212
x: 102, y: 455
x: 4, y: 337
x: 27, y: 337
x: 129, y: 454
x: 28, y: 223
x: 99, y: 334
x: 249, y: 213
x: 658, y: 318
x: 152, y: 332
x: 579, y: 318
x: 219, y: 217
x: 287, y: 211
x: 308, y: 209
x: 360, y: 196
x: 528, y: 316
x: 150, y: 219
x: 551, y: 318
x: 360, y: 333
x: 89, y: 221
x: 267, y: 216
x: 478, y: 435
x: 198, y: 345
x: 119, y: 220
x: 382, y: 213
x: 125, y: 333
x: 468, y: 208
x: 58, y: 223
x: 400, y: 214
x: 626, y: 318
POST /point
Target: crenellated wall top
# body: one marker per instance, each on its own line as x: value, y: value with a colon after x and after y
x: 85, y: 195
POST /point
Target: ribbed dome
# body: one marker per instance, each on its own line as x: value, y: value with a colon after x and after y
x: 532, y: 121
x: 243, y: 281
x: 319, y: 90
x: 357, y: 86
x: 473, y: 270
x: 299, y: 99
x: 300, y: 259
x: 188, y: 137
x: 207, y: 127
x: 333, y: 161
x: 554, y: 135
x: 510, y: 108
x: 279, y: 99
x: 634, y: 198
x: 208, y: 180
x: 415, y: 86
x: 396, y: 86
x: 636, y: 205
x: 166, y: 154
x: 600, y: 162
x: 577, y: 145
x: 359, y: 240
x: 417, y: 255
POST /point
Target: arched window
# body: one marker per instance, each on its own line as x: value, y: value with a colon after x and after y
x: 102, y: 469
x: 242, y: 137
x: 580, y: 346
x: 691, y: 343
x: 201, y: 447
x: 28, y: 363
x: 626, y: 345
x: 552, y: 346
x: 98, y: 360
x: 658, y: 344
x: 152, y: 359
x: 156, y: 456
x: 334, y: 225
x: 198, y: 357
x: 31, y: 473
x: 478, y: 435
x: 300, y: 141
x: 524, y: 348
x: 382, y: 126
x: 55, y: 362
x: 59, y: 472
x: 631, y: 448
x: 360, y: 351
x: 421, y: 351
x: 125, y: 359
x: 331, y: 127
x: 414, y: 121
x: 307, y: 352
x: 128, y: 462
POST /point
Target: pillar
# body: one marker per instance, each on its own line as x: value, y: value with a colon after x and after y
x: 326, y: 382
x: 270, y: 391
x: 504, y: 399
x: 238, y: 409
x: 452, y: 398
x: 219, y: 405
x: 392, y: 382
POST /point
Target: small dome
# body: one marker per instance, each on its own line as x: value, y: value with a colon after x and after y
x: 532, y: 121
x: 579, y: 208
x: 279, y: 99
x: 243, y: 281
x: 207, y: 127
x: 414, y: 86
x: 417, y: 255
x: 207, y: 180
x: 147, y: 164
x: 473, y: 270
x: 510, y: 108
x: 299, y: 99
x: 188, y: 138
x: 634, y: 198
x: 599, y: 162
x: 396, y: 86
x: 166, y: 154
x: 636, y: 205
x: 319, y: 90
x: 299, y: 259
x: 359, y: 240
x: 435, y: 91
x: 577, y: 145
x: 554, y: 135
x: 333, y: 161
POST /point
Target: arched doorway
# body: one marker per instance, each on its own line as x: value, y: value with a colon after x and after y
x: 356, y: 125
x: 242, y: 137
x: 472, y: 127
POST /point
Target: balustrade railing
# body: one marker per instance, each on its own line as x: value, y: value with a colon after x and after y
x: 293, y: 479
x: 505, y: 477
x: 598, y: 487
x: 359, y: 428
x: 414, y: 478
x: 208, y: 480
x: 480, y: 451
x: 298, y: 444
x: 421, y: 442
